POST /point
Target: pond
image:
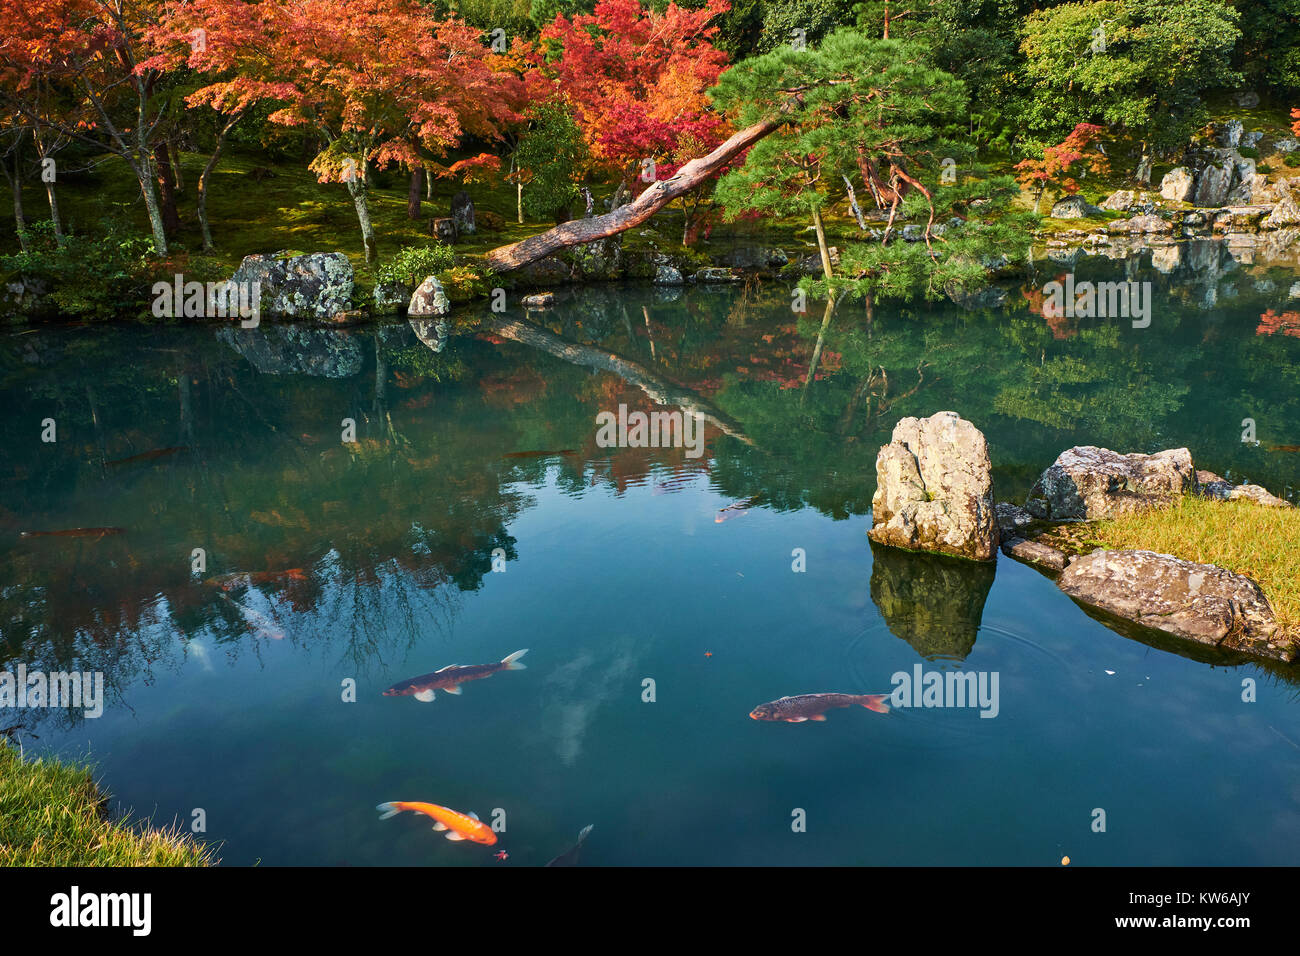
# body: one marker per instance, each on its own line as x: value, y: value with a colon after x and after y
x: 476, y: 514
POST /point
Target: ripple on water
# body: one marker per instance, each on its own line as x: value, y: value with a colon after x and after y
x: 875, y: 653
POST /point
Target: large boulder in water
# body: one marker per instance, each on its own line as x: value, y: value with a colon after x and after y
x: 1199, y: 602
x: 935, y: 489
x: 314, y: 286
x: 1089, y: 482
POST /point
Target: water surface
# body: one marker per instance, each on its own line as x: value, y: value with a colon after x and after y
x: 615, y: 571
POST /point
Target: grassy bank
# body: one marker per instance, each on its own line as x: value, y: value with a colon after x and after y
x: 54, y: 814
x: 1261, y: 543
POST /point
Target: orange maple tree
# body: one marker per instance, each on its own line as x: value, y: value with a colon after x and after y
x: 378, y: 81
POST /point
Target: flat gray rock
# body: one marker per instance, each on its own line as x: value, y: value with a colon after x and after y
x: 1199, y: 602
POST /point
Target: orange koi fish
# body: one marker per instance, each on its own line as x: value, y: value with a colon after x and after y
x: 795, y: 710
x: 458, y: 826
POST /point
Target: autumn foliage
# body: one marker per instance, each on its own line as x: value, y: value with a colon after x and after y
x: 1060, y: 164
x: 637, y: 79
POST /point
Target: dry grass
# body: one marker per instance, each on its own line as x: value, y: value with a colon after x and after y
x: 53, y: 814
x: 1261, y: 543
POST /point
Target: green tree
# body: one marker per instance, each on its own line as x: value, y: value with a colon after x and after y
x: 548, y: 161
x: 1139, y: 65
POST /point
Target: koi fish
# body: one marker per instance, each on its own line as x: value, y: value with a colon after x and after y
x: 262, y: 625
x: 148, y: 455
x: 795, y: 710
x: 501, y: 855
x: 458, y: 826
x: 72, y: 533
x: 735, y: 510
x: 570, y: 856
x: 242, y: 579
x: 538, y: 454
x: 451, y: 677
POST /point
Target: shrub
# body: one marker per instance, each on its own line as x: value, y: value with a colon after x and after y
x: 90, y: 277
x: 413, y: 264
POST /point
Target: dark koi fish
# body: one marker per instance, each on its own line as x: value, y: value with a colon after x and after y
x: 72, y: 533
x: 451, y: 677
x: 570, y: 856
x: 735, y: 510
x: 794, y: 710
x: 538, y: 454
x: 148, y: 455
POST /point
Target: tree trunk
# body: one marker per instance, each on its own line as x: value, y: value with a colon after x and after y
x: 821, y: 243
x: 205, y: 176
x: 357, y: 188
x: 658, y: 195
x: 54, y: 211
x: 144, y: 176
x: 414, y: 193
x: 20, y: 220
x: 167, y: 180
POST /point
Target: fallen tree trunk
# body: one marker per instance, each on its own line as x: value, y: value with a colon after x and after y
x: 579, y: 231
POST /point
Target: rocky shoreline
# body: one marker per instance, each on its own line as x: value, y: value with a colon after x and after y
x: 935, y: 494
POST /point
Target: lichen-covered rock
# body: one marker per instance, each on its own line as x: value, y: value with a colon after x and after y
x: 1213, y: 184
x: 1089, y: 482
x: 715, y: 274
x: 428, y: 299
x: 540, y: 300
x: 1074, y: 207
x: 462, y: 213
x: 666, y: 274
x: 390, y: 297
x: 1259, y: 495
x: 598, y: 261
x: 1199, y: 602
x: 1012, y: 519
x: 1178, y: 184
x: 1285, y: 213
x: 1210, y: 485
x: 934, y: 489
x: 314, y: 286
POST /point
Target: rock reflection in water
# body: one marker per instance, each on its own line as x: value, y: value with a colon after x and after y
x: 934, y: 603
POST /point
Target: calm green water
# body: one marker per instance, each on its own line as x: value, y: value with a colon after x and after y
x: 616, y: 571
